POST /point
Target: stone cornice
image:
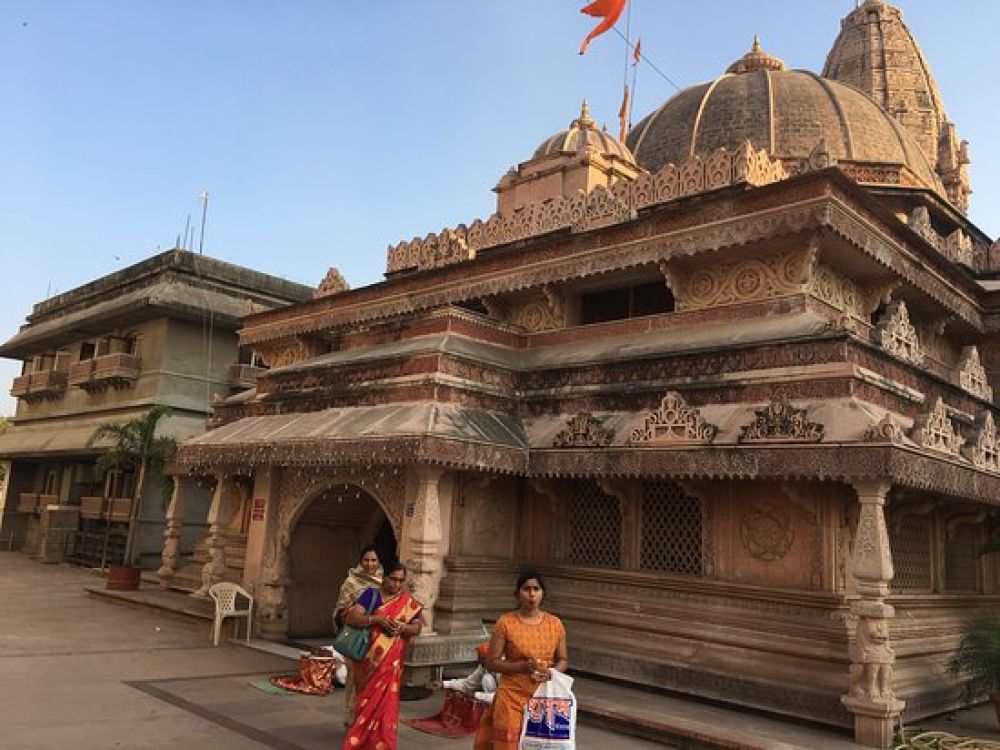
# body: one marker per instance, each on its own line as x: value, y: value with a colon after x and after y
x: 550, y: 261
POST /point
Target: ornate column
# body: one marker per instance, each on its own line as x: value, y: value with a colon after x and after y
x: 172, y: 534
x: 424, y: 559
x: 214, y: 570
x: 870, y: 696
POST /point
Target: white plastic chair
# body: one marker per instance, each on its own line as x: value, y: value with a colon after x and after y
x: 226, y: 605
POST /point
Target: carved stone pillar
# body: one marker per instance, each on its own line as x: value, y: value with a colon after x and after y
x: 214, y: 570
x: 870, y: 695
x: 424, y: 560
x: 172, y: 534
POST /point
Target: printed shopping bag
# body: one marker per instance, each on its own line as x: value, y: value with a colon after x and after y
x: 550, y: 716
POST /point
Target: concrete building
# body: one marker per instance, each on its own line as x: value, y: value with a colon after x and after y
x: 162, y: 331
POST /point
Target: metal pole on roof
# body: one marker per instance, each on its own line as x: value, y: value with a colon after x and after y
x: 204, y: 213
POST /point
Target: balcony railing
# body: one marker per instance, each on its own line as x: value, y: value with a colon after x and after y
x: 120, y: 508
x: 33, y: 502
x: 114, y: 508
x: 244, y: 376
x: 39, y: 385
x: 91, y: 507
x: 108, y: 370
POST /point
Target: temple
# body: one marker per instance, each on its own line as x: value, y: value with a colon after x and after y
x: 728, y: 385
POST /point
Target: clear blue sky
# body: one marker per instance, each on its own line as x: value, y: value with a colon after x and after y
x: 325, y: 131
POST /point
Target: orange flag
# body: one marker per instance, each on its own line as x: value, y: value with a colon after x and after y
x: 609, y: 10
x: 637, y: 52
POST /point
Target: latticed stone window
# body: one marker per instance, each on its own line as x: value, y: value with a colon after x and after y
x: 911, y: 554
x: 595, y: 524
x: 961, y: 559
x: 671, y: 534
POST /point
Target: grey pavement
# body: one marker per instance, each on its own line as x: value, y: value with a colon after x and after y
x: 81, y: 672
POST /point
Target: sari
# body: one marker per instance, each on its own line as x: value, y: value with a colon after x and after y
x: 377, y: 678
x: 500, y: 727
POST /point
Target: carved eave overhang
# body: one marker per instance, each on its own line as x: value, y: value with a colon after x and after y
x: 901, y: 465
x: 699, y: 224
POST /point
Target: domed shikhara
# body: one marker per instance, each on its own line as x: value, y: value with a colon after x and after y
x: 580, y: 158
x: 583, y: 135
x: 788, y: 113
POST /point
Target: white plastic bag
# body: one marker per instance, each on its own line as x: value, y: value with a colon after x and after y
x: 550, y: 717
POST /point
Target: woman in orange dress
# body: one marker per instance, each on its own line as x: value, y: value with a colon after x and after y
x: 394, y: 619
x: 525, y: 645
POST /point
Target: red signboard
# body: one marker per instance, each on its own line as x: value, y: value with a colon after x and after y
x: 257, y: 512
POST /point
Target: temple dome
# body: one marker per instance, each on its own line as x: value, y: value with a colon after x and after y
x: 789, y: 114
x: 583, y: 135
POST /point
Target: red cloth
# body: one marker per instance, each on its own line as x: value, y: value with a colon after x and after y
x: 315, y: 676
x: 459, y: 717
x: 609, y: 10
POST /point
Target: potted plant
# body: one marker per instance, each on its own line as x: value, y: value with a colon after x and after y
x: 977, y: 659
x: 135, y: 448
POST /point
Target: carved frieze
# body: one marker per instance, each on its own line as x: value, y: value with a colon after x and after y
x: 747, y: 280
x: 583, y: 431
x: 897, y: 335
x: 674, y: 423
x: 289, y: 351
x: 601, y: 207
x: 838, y: 291
x: 780, y: 422
x: 972, y: 374
x: 933, y: 430
x: 984, y: 449
x: 543, y: 312
x: 886, y: 431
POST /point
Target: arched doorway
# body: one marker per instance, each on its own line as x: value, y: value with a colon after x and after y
x: 326, y: 541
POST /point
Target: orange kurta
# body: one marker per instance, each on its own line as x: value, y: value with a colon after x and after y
x: 500, y: 728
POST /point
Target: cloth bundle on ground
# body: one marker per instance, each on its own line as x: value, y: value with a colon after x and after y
x: 458, y: 718
x: 318, y: 672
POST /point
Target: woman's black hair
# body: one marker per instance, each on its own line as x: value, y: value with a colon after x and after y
x: 366, y: 550
x: 392, y: 567
x: 526, y: 576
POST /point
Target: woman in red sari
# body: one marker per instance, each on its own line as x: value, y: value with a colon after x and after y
x: 394, y: 619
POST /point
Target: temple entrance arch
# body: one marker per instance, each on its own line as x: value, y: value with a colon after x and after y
x: 325, y: 542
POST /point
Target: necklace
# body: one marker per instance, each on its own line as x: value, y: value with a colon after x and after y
x: 532, y: 620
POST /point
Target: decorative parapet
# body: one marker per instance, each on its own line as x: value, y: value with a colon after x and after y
x: 957, y: 246
x: 984, y: 452
x: 886, y: 431
x: 583, y: 431
x: 897, y: 335
x: 332, y: 283
x: 585, y: 211
x: 934, y: 431
x: 972, y: 374
x: 780, y: 422
x: 674, y: 423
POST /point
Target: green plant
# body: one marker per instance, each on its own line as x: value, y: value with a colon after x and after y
x: 135, y: 447
x: 978, y: 656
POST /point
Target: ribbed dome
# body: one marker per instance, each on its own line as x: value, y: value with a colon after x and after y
x: 584, y: 135
x: 785, y: 112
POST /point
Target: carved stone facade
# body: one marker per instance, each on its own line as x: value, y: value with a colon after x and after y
x: 780, y: 422
x: 674, y: 423
x: 934, y: 431
x: 583, y: 431
x: 897, y: 335
x: 972, y: 374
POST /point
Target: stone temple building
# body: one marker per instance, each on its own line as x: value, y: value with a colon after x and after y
x: 729, y: 385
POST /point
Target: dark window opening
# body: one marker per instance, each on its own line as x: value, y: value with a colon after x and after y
x: 626, y: 302
x: 87, y: 350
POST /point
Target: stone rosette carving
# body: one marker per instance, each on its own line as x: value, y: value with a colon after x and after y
x: 584, y: 211
x: 886, y: 431
x: 984, y: 449
x: 766, y: 532
x: 934, y: 431
x: 897, y: 335
x: 747, y: 280
x: 674, y: 423
x: 972, y: 375
x: 780, y: 422
x: 332, y: 283
x: 583, y: 431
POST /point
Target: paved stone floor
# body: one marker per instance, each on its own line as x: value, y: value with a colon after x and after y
x: 83, y: 673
